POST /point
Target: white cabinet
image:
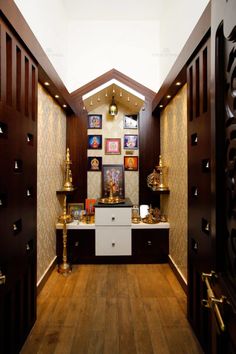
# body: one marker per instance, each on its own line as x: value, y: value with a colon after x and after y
x: 113, y: 231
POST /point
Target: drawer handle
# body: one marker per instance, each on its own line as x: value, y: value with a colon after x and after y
x: 113, y: 218
x: 113, y: 244
x: 149, y: 243
x: 76, y: 243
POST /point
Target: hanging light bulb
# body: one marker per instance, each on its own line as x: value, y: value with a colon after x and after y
x: 113, y: 110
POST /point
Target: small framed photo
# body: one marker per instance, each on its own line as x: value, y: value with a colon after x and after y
x: 131, y: 121
x: 112, y: 146
x: 94, y: 163
x: 74, y: 209
x: 89, y: 206
x: 131, y: 163
x: 130, y: 142
x: 94, y: 142
x: 95, y: 121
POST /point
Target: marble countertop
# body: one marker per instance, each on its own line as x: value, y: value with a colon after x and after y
x: 75, y: 225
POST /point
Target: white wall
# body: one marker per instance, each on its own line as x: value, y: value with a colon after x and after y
x: 49, y: 23
x: 178, y: 21
x: 99, y: 46
x: 84, y: 44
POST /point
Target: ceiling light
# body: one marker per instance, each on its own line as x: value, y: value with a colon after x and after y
x: 113, y: 110
x: 56, y: 96
x: 64, y: 105
x: 46, y: 83
x: 161, y: 106
x: 168, y: 96
x: 178, y: 83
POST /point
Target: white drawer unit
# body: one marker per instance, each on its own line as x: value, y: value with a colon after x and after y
x: 113, y: 216
x: 113, y: 231
x: 113, y: 241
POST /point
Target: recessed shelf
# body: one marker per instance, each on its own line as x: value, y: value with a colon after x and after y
x: 194, y: 139
x: 3, y: 200
x: 205, y: 226
x: 18, y: 166
x: 206, y: 165
x: 194, y: 192
x: 162, y: 192
x: 3, y: 130
x: 29, y: 192
x: 30, y: 139
x: 17, y: 227
x: 194, y: 245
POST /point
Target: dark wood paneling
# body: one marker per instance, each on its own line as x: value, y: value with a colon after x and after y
x: 199, y: 188
x: 18, y: 158
x: 150, y: 246
x: 77, y: 143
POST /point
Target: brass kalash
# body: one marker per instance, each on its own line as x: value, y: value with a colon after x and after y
x: 65, y: 218
x: 111, y: 199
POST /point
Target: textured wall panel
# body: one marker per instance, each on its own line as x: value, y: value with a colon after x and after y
x: 174, y: 153
x: 51, y: 155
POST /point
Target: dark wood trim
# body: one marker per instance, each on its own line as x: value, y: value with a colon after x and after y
x: 178, y: 276
x: 178, y: 71
x: 46, y: 276
x: 11, y: 13
x: 109, y: 75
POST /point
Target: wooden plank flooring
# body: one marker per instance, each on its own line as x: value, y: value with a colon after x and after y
x: 112, y: 309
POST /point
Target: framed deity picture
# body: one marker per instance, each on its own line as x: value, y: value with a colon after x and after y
x: 94, y: 163
x: 94, y: 142
x: 95, y: 121
x: 89, y: 206
x: 131, y: 163
x: 131, y: 121
x: 112, y: 146
x: 113, y: 175
x: 130, y: 141
x: 74, y: 209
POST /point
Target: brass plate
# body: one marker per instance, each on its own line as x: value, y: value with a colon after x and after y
x: 111, y: 201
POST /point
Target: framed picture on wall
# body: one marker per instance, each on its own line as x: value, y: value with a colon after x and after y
x: 130, y: 141
x: 94, y: 163
x: 94, y: 142
x: 131, y: 121
x: 113, y: 175
x: 112, y: 146
x: 131, y: 163
x: 95, y: 121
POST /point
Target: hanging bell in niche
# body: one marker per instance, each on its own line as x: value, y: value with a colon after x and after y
x: 157, y: 180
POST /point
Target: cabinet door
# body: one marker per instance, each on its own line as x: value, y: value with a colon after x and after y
x: 80, y: 246
x: 150, y: 245
x: 113, y: 241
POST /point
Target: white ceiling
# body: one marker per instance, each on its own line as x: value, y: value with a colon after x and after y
x: 114, y: 10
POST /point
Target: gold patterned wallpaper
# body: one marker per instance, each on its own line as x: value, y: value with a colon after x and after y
x: 174, y: 153
x: 51, y: 155
x: 112, y: 128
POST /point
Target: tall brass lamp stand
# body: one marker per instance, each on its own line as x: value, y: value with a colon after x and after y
x: 65, y: 218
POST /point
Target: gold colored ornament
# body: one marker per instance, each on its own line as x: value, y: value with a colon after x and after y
x: 157, y: 180
x: 68, y: 186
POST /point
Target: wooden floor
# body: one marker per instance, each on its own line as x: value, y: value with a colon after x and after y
x: 112, y: 309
